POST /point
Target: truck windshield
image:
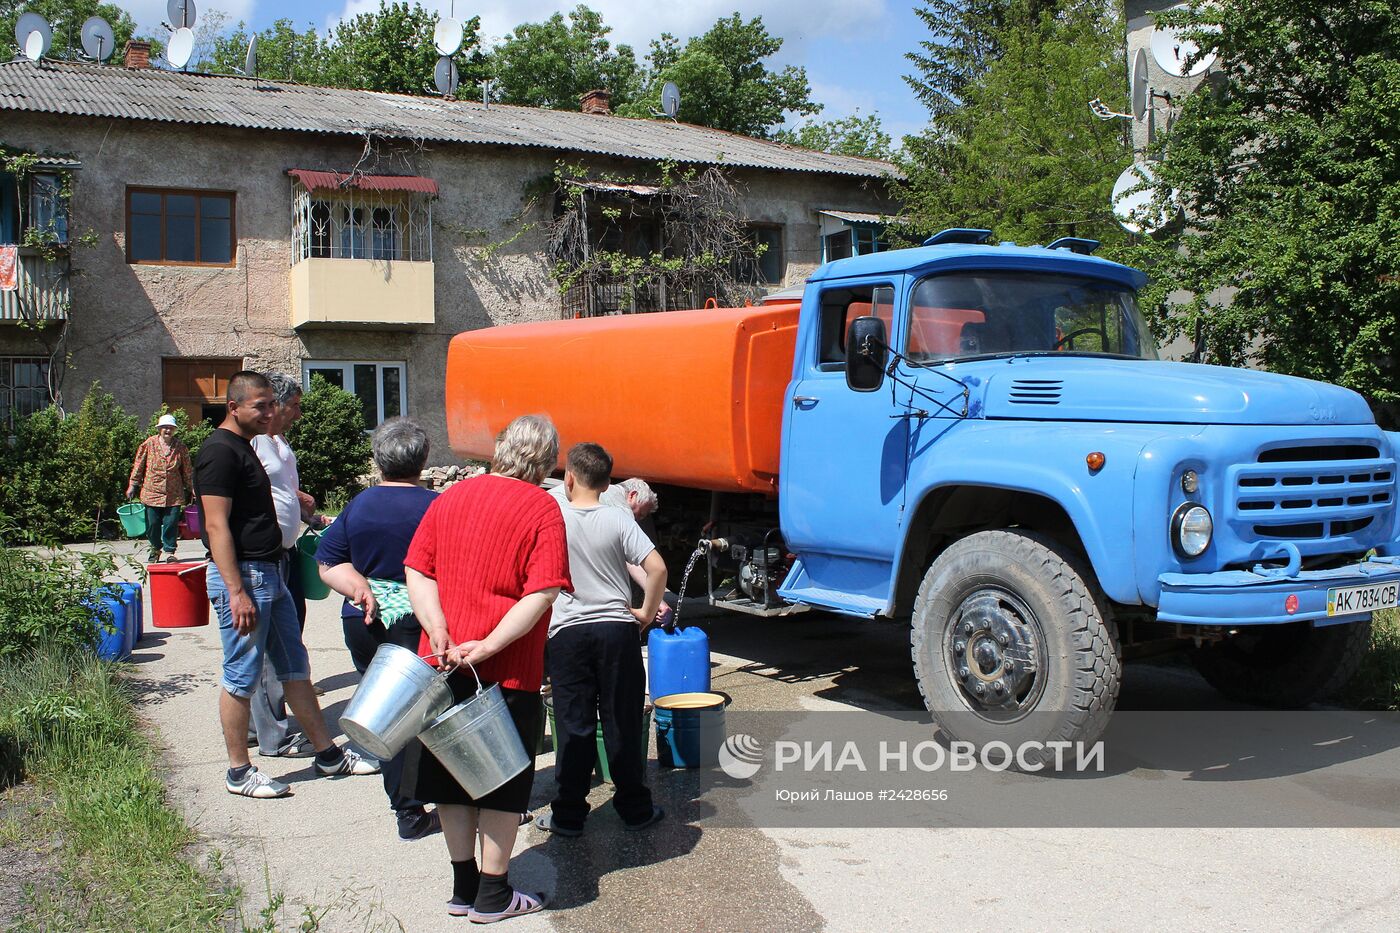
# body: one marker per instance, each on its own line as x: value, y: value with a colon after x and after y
x: 978, y: 314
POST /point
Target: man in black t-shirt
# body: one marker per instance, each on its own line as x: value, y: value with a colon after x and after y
x: 257, y: 619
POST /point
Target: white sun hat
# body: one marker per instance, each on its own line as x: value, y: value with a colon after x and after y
x: 166, y: 421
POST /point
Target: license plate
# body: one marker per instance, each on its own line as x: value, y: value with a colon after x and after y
x: 1351, y: 600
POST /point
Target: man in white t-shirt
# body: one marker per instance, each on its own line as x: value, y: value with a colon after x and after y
x: 594, y: 655
x: 269, y: 713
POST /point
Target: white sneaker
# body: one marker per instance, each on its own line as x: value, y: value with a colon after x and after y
x: 256, y: 784
x: 351, y: 762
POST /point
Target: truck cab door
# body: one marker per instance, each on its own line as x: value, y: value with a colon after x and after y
x: 841, y: 484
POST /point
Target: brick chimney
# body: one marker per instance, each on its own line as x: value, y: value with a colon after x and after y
x: 596, y: 101
x: 138, y: 54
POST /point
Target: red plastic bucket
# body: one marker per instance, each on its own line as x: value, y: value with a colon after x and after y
x: 178, y: 599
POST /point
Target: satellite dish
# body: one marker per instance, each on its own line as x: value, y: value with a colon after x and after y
x: 34, y: 35
x: 1172, y: 50
x: 447, y: 36
x: 670, y: 99
x: 181, y: 47
x: 1133, y: 197
x: 1140, y: 84
x: 250, y: 63
x: 99, y: 42
x: 181, y: 13
x: 445, y: 76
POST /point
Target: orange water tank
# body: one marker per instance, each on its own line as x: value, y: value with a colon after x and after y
x: 690, y: 398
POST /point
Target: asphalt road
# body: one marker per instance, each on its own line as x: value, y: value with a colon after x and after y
x: 331, y: 848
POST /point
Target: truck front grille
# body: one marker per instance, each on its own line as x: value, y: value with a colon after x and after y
x: 1313, y: 492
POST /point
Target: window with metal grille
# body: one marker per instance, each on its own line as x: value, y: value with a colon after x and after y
x: 361, y: 224
x: 24, y: 389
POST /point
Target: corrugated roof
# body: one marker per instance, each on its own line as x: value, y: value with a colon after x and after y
x: 314, y: 180
x: 858, y: 217
x: 89, y: 90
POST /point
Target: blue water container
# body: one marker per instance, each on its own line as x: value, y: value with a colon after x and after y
x: 113, y: 645
x: 689, y: 730
x: 131, y: 595
x: 678, y: 661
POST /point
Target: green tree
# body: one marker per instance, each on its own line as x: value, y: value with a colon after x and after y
x: 330, y: 442
x: 550, y: 64
x: 390, y: 49
x: 853, y: 136
x: 66, y: 17
x: 725, y: 81
x: 1020, y: 153
x: 1287, y: 168
x: 283, y: 53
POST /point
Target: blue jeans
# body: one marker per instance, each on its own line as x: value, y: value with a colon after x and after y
x: 275, y: 639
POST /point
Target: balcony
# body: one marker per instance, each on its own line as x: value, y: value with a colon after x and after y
x: 43, y: 293
x: 361, y: 292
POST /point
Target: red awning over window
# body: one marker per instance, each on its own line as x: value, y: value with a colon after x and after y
x: 329, y: 181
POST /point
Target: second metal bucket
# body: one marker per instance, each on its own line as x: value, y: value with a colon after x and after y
x: 398, y: 695
x: 477, y: 741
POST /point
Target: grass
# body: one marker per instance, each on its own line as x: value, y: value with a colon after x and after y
x: 1376, y: 685
x: 68, y: 726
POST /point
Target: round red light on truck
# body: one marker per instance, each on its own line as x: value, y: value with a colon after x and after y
x: 1290, y: 605
x: 1095, y: 461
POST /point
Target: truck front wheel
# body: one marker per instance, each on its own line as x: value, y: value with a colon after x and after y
x: 1011, y: 643
x: 1284, y: 665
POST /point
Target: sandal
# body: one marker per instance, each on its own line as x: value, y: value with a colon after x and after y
x: 520, y: 904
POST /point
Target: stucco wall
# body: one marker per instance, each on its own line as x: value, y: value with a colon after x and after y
x: 126, y: 318
x: 1159, y: 113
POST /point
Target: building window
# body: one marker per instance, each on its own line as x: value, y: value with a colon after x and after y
x: 45, y: 208
x: 177, y: 227
x: 836, y: 246
x: 24, y: 389
x: 381, y: 387
x: 767, y: 243
x: 869, y: 240
x: 854, y: 241
x: 361, y: 224
x: 199, y: 385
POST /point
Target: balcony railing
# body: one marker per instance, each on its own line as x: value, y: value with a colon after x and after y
x: 43, y: 293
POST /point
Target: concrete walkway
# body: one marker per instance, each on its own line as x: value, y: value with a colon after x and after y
x: 332, y: 847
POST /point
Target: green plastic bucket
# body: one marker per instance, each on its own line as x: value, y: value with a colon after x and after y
x: 602, y: 768
x: 133, y: 517
x: 311, y: 585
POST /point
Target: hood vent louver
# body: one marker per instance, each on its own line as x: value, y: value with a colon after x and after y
x: 1036, y: 391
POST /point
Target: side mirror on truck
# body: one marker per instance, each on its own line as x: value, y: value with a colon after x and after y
x: 866, y: 354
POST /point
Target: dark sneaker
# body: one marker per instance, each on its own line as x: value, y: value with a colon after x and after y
x: 351, y: 762
x: 295, y: 745
x: 657, y: 815
x: 170, y: 558
x: 153, y: 555
x: 256, y: 784
x: 545, y: 821
x: 414, y: 826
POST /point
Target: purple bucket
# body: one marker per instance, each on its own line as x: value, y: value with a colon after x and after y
x: 192, y: 520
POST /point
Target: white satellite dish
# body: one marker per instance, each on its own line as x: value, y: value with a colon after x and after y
x: 1140, y: 90
x: 447, y: 36
x: 181, y: 47
x: 1133, y: 200
x: 1172, y: 50
x: 98, y: 39
x: 34, y: 35
x: 182, y: 14
x: 670, y: 99
x: 250, y: 62
x: 445, y: 76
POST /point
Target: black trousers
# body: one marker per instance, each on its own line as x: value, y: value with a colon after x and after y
x: 596, y: 674
x: 291, y: 575
x: 363, y: 641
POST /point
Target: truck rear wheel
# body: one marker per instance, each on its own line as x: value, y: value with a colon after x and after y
x: 1284, y: 665
x: 1011, y: 643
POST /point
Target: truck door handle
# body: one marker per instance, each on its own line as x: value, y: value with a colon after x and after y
x: 804, y: 401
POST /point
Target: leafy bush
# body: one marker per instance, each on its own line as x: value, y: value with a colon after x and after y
x: 330, y: 442
x: 192, y: 434
x: 64, y: 475
x: 42, y: 596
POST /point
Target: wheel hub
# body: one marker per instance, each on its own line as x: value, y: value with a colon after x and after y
x: 995, y: 652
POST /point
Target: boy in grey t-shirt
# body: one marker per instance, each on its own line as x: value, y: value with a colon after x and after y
x: 594, y: 655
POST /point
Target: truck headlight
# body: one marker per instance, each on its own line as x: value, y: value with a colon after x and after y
x: 1192, y: 528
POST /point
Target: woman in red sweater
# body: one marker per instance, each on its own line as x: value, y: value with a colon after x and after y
x: 484, y: 567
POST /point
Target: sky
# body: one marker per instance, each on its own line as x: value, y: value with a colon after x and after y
x: 853, y: 50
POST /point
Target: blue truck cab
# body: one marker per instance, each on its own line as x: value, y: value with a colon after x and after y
x: 982, y: 439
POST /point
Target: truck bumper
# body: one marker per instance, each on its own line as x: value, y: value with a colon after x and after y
x: 1262, y: 596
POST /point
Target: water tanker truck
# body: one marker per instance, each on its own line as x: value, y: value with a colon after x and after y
x: 980, y: 440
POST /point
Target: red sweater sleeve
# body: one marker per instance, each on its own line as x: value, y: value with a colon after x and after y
x: 548, y: 563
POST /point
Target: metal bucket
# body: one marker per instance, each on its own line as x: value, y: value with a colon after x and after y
x: 399, y: 694
x: 477, y: 741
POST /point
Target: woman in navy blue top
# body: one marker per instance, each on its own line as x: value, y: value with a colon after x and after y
x: 363, y: 552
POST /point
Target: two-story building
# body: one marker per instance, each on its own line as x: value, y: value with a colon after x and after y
x: 218, y: 222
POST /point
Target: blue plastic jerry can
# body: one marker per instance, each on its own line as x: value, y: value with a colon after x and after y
x: 678, y: 661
